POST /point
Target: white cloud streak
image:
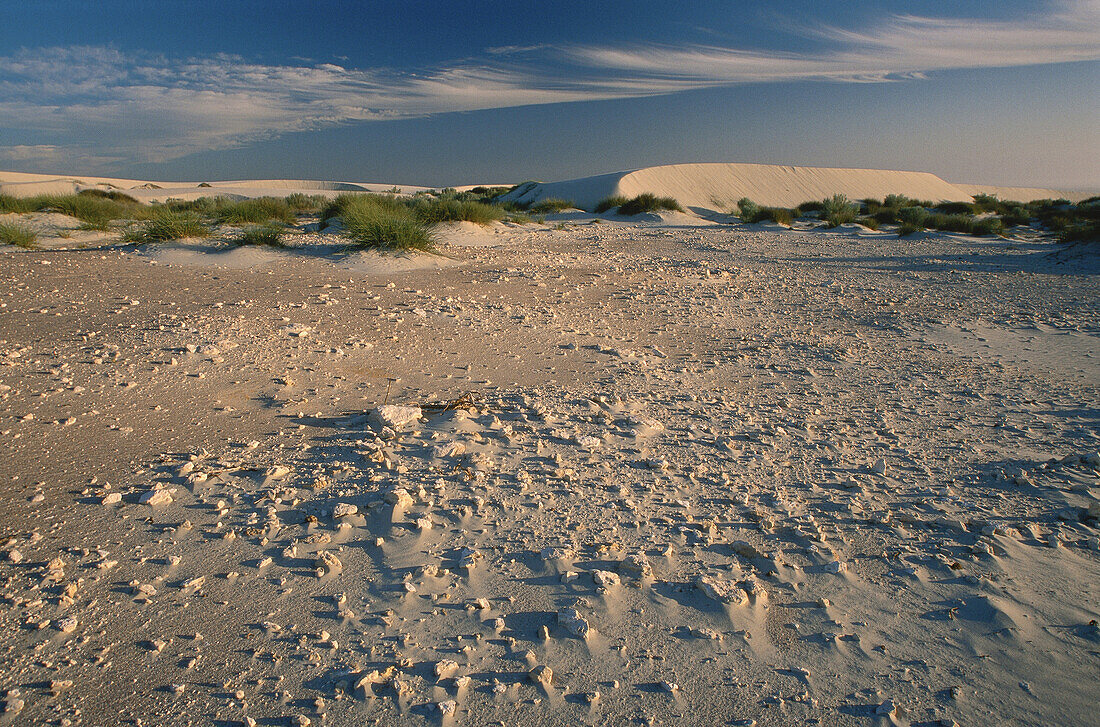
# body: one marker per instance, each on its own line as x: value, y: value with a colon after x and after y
x: 104, y: 107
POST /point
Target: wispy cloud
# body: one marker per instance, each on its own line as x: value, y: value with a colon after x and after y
x: 106, y: 107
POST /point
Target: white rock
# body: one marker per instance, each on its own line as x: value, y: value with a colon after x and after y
x: 156, y: 498
x: 344, y: 509
x: 447, y: 707
x: 722, y: 590
x: 446, y: 668
x: 399, y: 497
x: 574, y: 623
x: 67, y: 625
x: 879, y: 467
x: 112, y: 498
x: 541, y: 674
x: 636, y: 566
x: 396, y: 417
x: 605, y: 579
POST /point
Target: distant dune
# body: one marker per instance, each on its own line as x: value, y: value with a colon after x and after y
x: 700, y: 187
x: 21, y: 184
x: 717, y: 187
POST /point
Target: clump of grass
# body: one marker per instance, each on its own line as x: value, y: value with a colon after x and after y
x: 300, y: 202
x: 167, y: 224
x: 17, y: 235
x: 379, y: 222
x: 837, y: 210
x: 432, y: 211
x: 112, y: 194
x: 647, y: 202
x: 868, y: 221
x: 268, y: 235
x: 552, y: 204
x: 260, y: 209
x: 608, y: 203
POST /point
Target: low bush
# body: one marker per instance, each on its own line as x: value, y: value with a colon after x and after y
x: 808, y: 207
x: 868, y: 221
x: 837, y: 210
x: 608, y: 203
x: 955, y: 208
x: 647, y: 202
x: 747, y: 210
x: 552, y: 204
x: 914, y: 217
x: 17, y: 235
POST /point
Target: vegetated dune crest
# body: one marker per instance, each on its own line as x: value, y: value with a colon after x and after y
x: 718, y: 186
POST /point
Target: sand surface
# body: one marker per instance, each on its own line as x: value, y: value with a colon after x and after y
x: 702, y: 474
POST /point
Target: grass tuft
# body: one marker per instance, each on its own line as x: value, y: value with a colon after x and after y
x: 647, y: 202
x: 552, y: 204
x: 17, y: 235
x: 268, y: 235
x: 452, y: 209
x: 608, y: 203
x: 167, y: 224
x: 261, y: 209
x: 380, y: 222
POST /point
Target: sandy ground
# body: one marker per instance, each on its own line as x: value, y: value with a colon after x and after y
x: 706, y: 474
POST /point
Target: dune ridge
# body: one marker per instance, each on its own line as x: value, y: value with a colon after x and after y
x: 716, y: 187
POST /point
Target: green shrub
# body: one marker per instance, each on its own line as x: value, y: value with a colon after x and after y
x: 779, y: 215
x: 747, y: 210
x: 1015, y: 214
x: 608, y: 203
x: 261, y: 209
x: 886, y: 215
x: 908, y: 229
x: 1084, y: 232
x: 950, y: 223
x: 647, y: 202
x: 167, y: 224
x: 914, y: 217
x: 837, y: 210
x: 987, y: 226
x: 868, y: 221
x: 520, y: 218
x: 897, y: 201
x: 17, y: 235
x: 374, y: 221
x: 955, y: 208
x: 268, y: 235
x: 811, y: 206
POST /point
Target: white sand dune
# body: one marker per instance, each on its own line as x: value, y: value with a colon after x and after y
x: 717, y: 187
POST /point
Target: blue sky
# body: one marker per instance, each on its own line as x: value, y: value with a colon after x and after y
x: 445, y: 93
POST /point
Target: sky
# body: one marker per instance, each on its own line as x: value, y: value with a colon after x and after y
x: 443, y: 93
